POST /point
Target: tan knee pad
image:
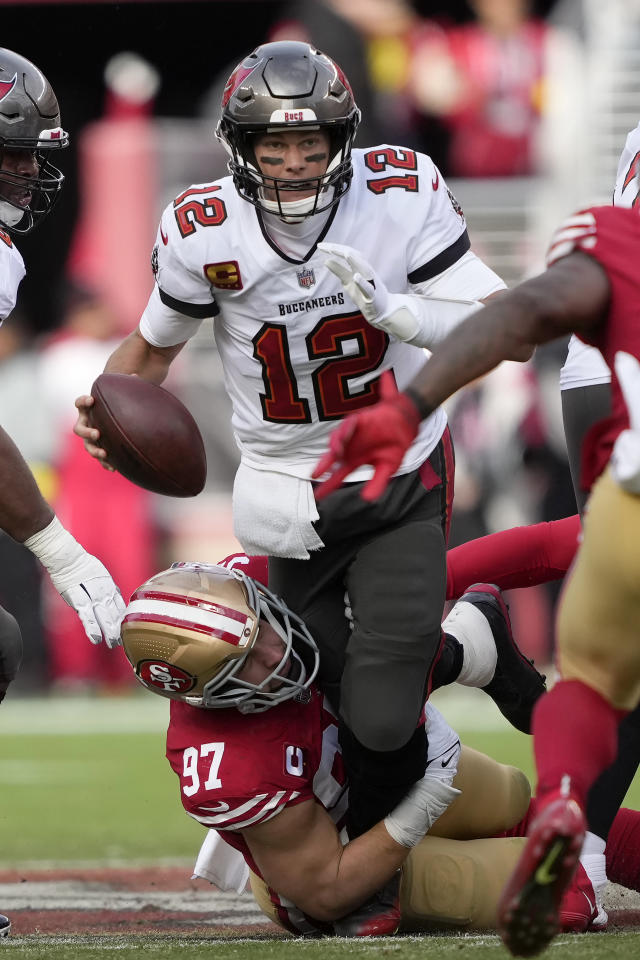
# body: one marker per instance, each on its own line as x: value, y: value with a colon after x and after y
x: 495, y: 796
x: 456, y: 883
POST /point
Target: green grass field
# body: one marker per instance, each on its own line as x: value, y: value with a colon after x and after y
x: 87, y: 781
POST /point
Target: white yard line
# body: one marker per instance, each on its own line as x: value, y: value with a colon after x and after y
x: 464, y: 708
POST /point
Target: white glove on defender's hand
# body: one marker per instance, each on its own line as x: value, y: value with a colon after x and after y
x: 625, y: 456
x: 82, y: 581
x: 387, y: 311
x: 415, y: 815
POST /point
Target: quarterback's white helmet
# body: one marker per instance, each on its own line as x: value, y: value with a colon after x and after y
x: 188, y: 631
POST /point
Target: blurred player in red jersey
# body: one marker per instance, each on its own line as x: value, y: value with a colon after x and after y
x: 254, y: 744
x: 590, y: 288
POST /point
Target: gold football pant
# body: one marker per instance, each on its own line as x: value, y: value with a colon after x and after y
x: 450, y: 879
x: 598, y: 627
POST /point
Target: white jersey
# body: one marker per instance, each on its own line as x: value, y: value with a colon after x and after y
x: 297, y: 354
x: 584, y: 364
x: 11, y: 273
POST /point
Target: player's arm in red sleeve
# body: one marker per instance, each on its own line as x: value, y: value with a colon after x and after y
x: 134, y: 355
x: 299, y: 854
x: 571, y: 296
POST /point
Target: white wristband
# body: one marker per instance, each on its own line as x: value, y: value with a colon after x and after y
x: 415, y: 815
x: 59, y: 552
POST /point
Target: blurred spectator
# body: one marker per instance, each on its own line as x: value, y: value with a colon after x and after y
x: 485, y: 79
x: 368, y: 39
x: 107, y: 513
x: 118, y: 191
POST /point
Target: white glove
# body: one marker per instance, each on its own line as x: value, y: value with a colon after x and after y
x: 415, y: 815
x: 82, y: 581
x: 625, y: 456
x: 390, y: 312
x: 413, y: 318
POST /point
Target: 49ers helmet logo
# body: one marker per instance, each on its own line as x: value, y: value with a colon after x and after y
x: 165, y: 676
x: 6, y: 86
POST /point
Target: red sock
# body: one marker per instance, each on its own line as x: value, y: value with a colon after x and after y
x: 623, y: 849
x: 575, y: 732
x: 520, y: 557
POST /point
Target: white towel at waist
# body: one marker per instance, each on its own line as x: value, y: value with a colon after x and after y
x: 273, y: 513
x: 221, y: 864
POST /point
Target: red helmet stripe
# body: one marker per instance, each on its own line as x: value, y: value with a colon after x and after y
x: 183, y: 625
x: 234, y: 81
x: 210, y: 605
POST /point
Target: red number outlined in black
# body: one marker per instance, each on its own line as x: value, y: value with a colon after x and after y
x: 377, y: 160
x: 208, y: 212
x: 281, y: 401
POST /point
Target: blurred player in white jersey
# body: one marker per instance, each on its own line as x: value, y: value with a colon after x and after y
x: 279, y: 255
x: 30, y: 133
x: 255, y: 747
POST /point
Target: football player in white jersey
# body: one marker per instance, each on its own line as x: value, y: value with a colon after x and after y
x: 255, y: 747
x: 279, y: 254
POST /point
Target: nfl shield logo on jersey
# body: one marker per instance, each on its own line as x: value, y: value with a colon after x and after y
x: 306, y: 278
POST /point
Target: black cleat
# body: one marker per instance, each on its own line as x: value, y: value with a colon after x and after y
x: 5, y: 925
x: 516, y: 685
x: 378, y: 917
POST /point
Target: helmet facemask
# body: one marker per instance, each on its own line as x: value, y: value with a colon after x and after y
x: 292, y: 674
x: 44, y: 188
x: 270, y: 193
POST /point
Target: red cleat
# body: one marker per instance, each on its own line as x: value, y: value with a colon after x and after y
x: 378, y: 917
x: 530, y: 905
x: 581, y: 910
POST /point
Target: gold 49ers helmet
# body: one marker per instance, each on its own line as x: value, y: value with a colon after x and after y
x: 189, y: 630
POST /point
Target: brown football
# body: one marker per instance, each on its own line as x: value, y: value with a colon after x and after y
x: 149, y: 435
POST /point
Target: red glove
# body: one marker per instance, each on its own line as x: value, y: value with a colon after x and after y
x: 379, y: 435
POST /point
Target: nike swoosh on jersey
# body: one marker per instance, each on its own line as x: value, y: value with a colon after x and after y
x: 435, y: 183
x: 220, y: 807
x: 165, y: 237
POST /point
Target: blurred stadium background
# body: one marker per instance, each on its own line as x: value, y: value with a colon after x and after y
x: 139, y: 85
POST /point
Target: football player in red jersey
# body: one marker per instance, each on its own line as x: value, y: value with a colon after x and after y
x: 589, y: 288
x: 255, y: 747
